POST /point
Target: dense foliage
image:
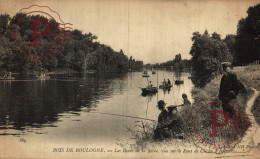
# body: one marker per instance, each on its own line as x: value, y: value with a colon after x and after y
x: 248, y: 37
x: 81, y: 52
x: 177, y: 64
x: 207, y: 54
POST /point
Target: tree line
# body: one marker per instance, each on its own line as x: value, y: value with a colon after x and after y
x: 209, y: 51
x: 81, y: 52
x: 176, y: 64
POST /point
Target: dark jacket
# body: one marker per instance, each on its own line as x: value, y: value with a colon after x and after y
x: 162, y: 118
x: 230, y: 86
x: 176, y: 124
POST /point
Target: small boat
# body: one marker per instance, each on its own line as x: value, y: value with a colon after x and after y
x: 145, y: 74
x: 153, y: 72
x: 43, y: 77
x: 7, y: 78
x: 149, y: 90
x: 179, y: 81
x: 163, y: 86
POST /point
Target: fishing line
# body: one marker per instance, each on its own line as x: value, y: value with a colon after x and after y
x: 123, y: 116
x: 157, y: 86
x: 173, y: 87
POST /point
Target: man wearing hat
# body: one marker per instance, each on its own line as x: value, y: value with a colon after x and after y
x: 170, y: 124
x: 230, y: 86
x: 161, y: 130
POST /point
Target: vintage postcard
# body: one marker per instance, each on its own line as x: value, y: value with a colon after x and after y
x: 129, y: 79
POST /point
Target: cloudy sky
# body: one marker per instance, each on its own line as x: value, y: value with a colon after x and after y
x: 152, y: 31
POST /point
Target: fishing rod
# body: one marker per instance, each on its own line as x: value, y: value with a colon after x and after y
x: 128, y: 116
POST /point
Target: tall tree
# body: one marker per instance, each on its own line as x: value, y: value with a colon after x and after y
x: 230, y: 40
x: 207, y: 54
x: 248, y: 37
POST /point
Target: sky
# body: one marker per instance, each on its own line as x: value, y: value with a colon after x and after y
x: 153, y: 31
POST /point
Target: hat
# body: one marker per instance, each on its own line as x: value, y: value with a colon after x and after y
x: 225, y: 64
x: 171, y: 108
x: 161, y: 103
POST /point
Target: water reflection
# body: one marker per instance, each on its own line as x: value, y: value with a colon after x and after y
x: 38, y: 103
x: 78, y: 106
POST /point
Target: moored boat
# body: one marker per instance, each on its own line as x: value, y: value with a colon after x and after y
x: 7, y: 78
x: 43, y: 76
x: 179, y: 81
x: 163, y: 86
x: 149, y: 90
x: 145, y: 74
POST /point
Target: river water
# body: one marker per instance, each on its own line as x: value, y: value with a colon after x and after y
x: 67, y: 110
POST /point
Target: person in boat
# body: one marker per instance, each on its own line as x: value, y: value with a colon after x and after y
x: 176, y: 123
x: 9, y: 75
x: 164, y: 82
x: 186, y: 101
x: 230, y: 87
x: 150, y: 85
x: 162, y: 130
x: 169, y: 82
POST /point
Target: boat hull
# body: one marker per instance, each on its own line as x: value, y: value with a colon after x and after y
x: 9, y: 78
x: 149, y: 90
x: 165, y: 86
x: 179, y: 82
x: 43, y: 78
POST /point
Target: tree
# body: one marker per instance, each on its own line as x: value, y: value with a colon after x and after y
x: 80, y: 52
x: 248, y: 37
x: 4, y: 21
x: 207, y: 54
x: 177, y: 63
x: 230, y: 40
x: 216, y: 36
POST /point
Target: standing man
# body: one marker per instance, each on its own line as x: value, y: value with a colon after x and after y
x: 230, y: 86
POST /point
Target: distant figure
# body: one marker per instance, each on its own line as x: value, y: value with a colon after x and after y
x: 230, y: 86
x: 161, y: 130
x: 10, y: 75
x: 169, y: 82
x: 176, y: 122
x: 164, y: 82
x: 185, y: 100
x: 150, y: 84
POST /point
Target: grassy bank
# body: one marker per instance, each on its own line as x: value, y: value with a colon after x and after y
x: 142, y: 132
x: 250, y: 76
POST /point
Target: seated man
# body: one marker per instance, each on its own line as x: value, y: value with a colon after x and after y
x: 186, y: 101
x: 176, y: 123
x: 164, y: 82
x: 161, y: 130
x: 169, y: 82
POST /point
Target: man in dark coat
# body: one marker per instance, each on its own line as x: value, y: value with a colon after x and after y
x: 161, y: 130
x: 230, y: 86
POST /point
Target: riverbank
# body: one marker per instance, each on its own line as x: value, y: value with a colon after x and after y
x: 249, y: 76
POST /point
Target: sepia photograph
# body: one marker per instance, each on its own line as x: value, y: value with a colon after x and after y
x: 129, y: 79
